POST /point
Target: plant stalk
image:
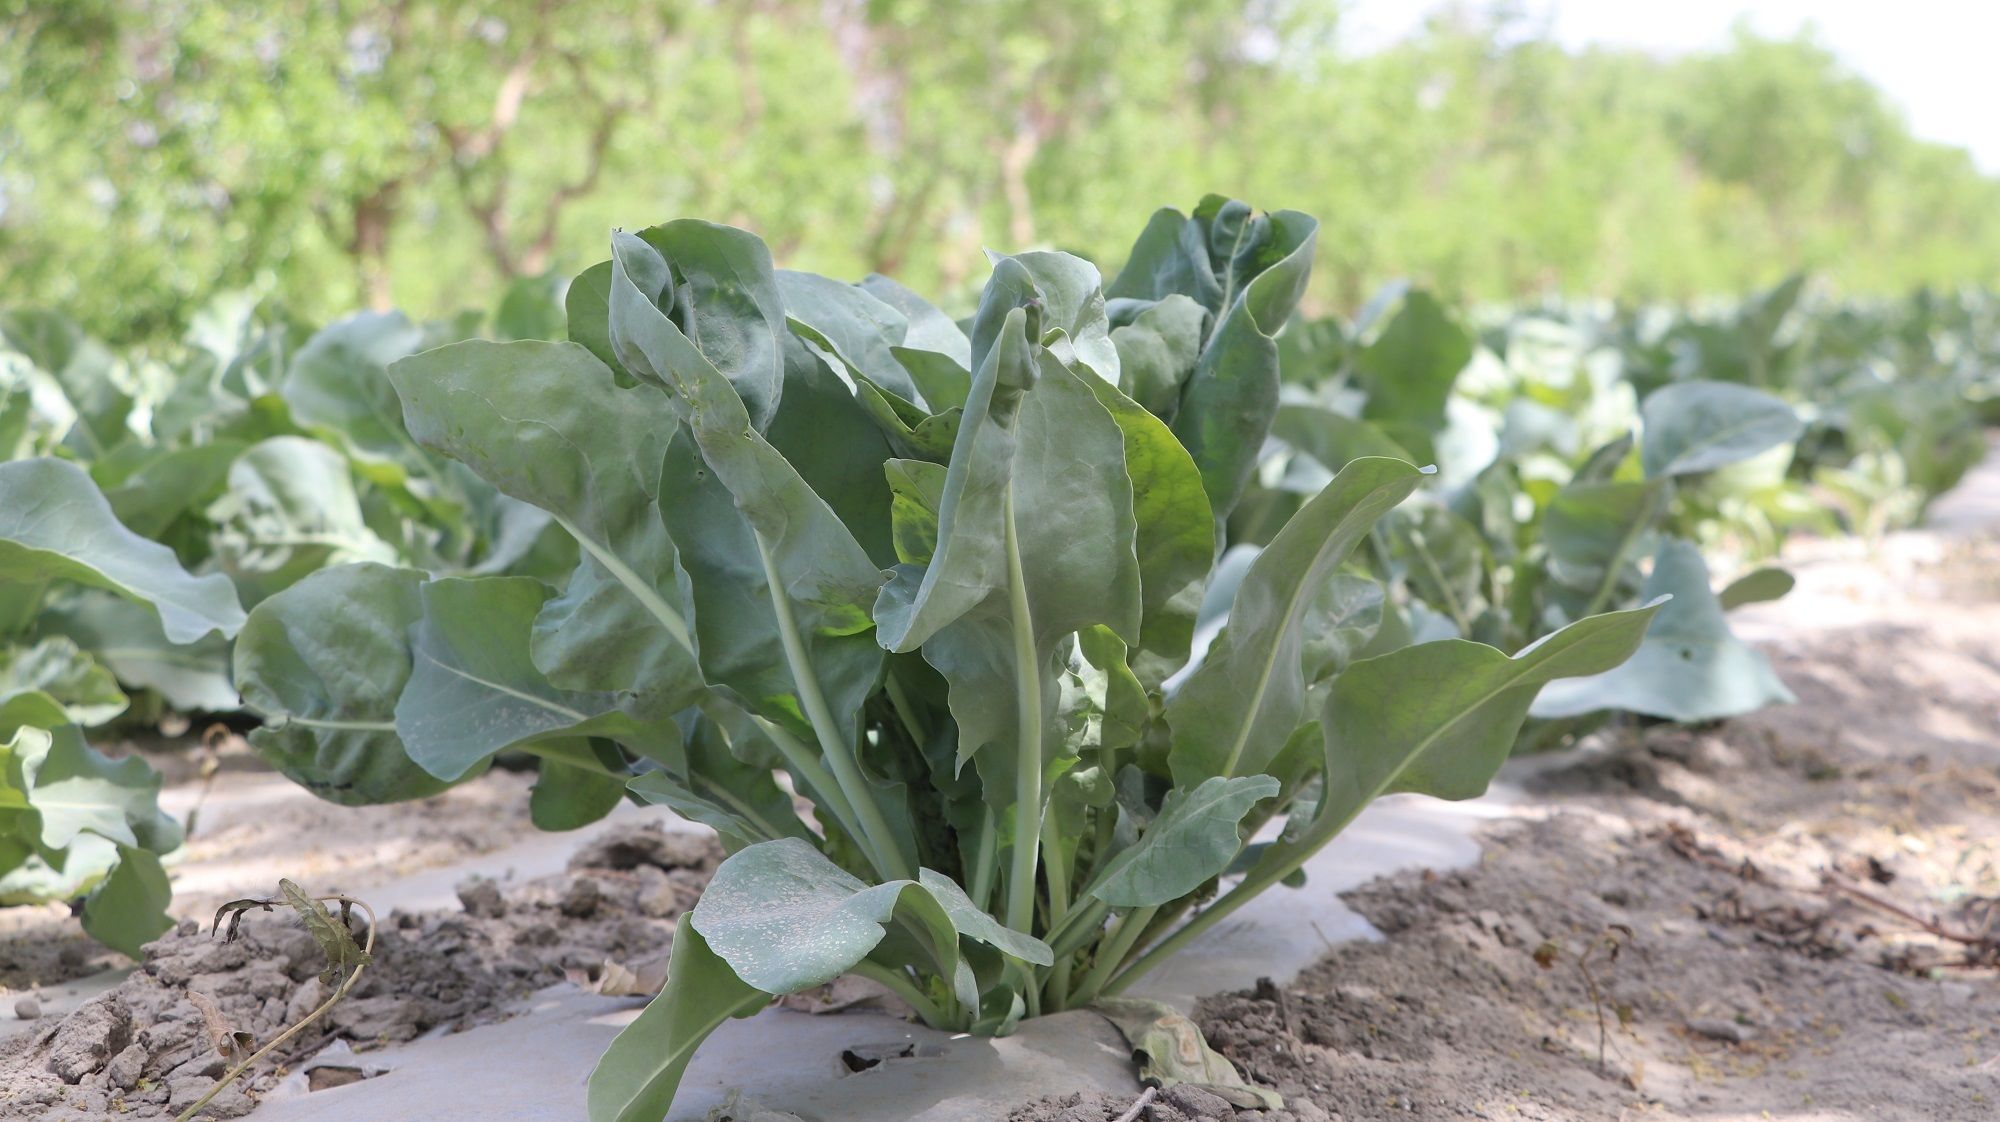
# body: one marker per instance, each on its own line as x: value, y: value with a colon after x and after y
x: 1028, y: 761
x: 885, y: 852
x: 230, y: 1076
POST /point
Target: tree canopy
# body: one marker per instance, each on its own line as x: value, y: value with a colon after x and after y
x: 335, y: 153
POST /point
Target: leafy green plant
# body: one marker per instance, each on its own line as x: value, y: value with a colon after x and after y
x: 74, y: 823
x: 1563, y: 493
x: 946, y: 578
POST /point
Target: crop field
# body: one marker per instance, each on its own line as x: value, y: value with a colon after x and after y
x: 1085, y: 688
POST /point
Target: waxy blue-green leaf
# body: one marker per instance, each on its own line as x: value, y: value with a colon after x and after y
x: 290, y: 510
x: 1236, y: 711
x: 1175, y: 534
x: 1194, y: 837
x: 786, y: 918
x: 780, y: 585
x: 714, y: 286
x: 1408, y: 371
x: 1004, y: 586
x: 1756, y: 587
x: 1438, y: 719
x: 547, y: 424
x: 337, y: 388
x: 71, y: 789
x: 56, y: 526
x: 855, y: 326
x: 324, y: 662
x: 87, y: 691
x: 635, y: 1079
x: 917, y: 495
x: 1597, y: 532
x: 929, y: 330
x: 738, y: 799
x: 568, y: 796
x: 129, y: 908
x: 474, y: 689
x: 191, y: 677
x: 1690, y: 668
x: 1331, y: 438
x: 1157, y: 352
x: 827, y: 436
x: 1249, y: 272
x: 1693, y: 427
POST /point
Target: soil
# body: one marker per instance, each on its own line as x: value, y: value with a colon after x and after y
x: 158, y: 1040
x: 248, y: 827
x: 1793, y: 915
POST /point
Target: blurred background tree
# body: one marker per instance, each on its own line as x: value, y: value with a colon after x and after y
x: 420, y: 154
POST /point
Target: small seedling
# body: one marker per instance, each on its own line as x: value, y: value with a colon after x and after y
x: 345, y: 962
x: 1610, y: 943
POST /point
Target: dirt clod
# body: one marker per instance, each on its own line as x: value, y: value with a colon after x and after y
x: 149, y: 1046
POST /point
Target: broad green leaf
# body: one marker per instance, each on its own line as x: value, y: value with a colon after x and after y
x: 55, y: 525
x: 87, y: 691
x: 1158, y: 350
x: 714, y: 286
x: 1597, y: 532
x: 547, y: 424
x: 780, y: 586
x: 917, y: 490
x: 129, y: 909
x: 1755, y: 587
x: 152, y: 494
x: 337, y: 388
x: 930, y: 330
x: 826, y: 434
x: 1175, y: 543
x: 1443, y: 558
x: 786, y: 918
x: 323, y: 663
x: 290, y: 510
x: 73, y: 789
x: 1070, y: 293
x: 1332, y: 439
x: 1409, y: 370
x: 127, y: 637
x: 739, y: 800
x: 1438, y: 719
x: 1228, y: 403
x: 1693, y: 427
x: 474, y: 690
x: 1035, y: 542
x: 637, y: 1076
x: 587, y: 307
x: 1690, y: 668
x: 858, y: 328
x: 1194, y: 837
x: 567, y: 796
x: 1236, y: 711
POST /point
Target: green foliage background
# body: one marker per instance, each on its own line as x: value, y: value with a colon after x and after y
x: 336, y: 153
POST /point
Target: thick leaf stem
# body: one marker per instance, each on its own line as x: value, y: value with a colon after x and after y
x: 881, y: 842
x: 1059, y: 906
x: 1112, y: 952
x: 1244, y: 892
x: 896, y: 982
x: 1028, y: 760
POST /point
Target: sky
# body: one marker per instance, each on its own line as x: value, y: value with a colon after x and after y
x: 1933, y: 57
